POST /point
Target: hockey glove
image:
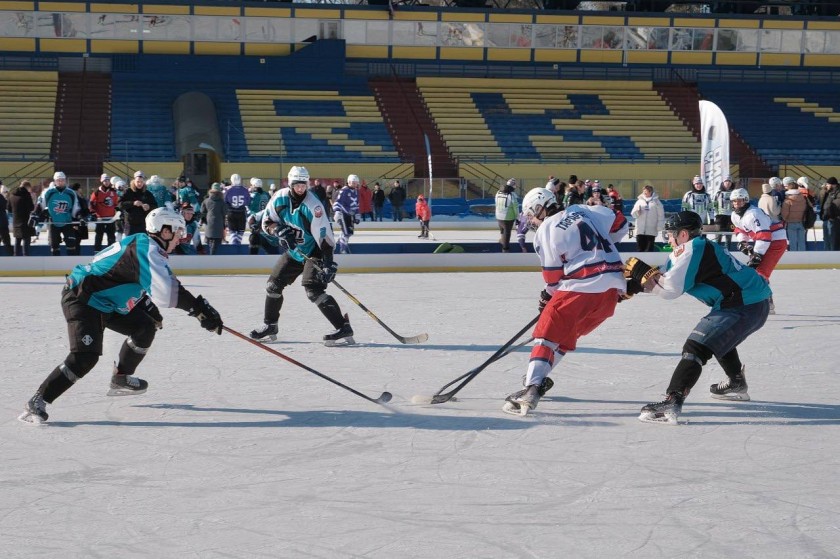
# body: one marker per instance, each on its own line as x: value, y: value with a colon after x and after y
x: 286, y: 237
x: 755, y: 260
x: 745, y: 247
x: 148, y: 307
x: 328, y: 271
x: 640, y: 273
x: 357, y: 218
x: 633, y: 287
x: 207, y: 315
x: 545, y: 297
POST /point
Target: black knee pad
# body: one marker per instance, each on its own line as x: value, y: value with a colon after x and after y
x: 315, y: 293
x: 273, y: 289
x: 696, y: 351
x: 81, y: 364
x: 144, y: 335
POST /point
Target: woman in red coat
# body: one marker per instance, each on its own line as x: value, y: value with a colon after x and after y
x: 424, y: 214
x: 365, y: 202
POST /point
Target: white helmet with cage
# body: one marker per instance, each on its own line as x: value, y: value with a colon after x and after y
x: 298, y: 174
x: 536, y: 200
x: 159, y: 218
x: 739, y: 194
x: 353, y: 180
x: 235, y: 179
x: 256, y: 183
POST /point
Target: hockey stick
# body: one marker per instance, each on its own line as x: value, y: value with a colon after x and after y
x: 384, y: 398
x: 418, y: 339
x: 441, y: 397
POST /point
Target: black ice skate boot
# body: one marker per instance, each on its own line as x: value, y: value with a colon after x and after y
x: 126, y: 385
x: 734, y: 388
x: 265, y: 331
x: 666, y: 411
x: 342, y: 336
x: 35, y: 410
x: 519, y: 403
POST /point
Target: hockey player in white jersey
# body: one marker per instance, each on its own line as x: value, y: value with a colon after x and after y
x: 698, y: 201
x: 583, y: 283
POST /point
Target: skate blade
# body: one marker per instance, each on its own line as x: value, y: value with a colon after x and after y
x: 271, y: 338
x: 124, y: 392
x: 667, y: 419
x: 516, y: 409
x: 735, y: 397
x: 31, y: 419
x: 340, y: 342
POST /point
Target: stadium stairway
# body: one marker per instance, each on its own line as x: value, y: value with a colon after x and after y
x: 82, y: 122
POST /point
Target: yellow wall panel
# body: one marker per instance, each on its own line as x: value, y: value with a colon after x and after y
x: 647, y: 57
x: 61, y: 7
x: 166, y: 47
x: 349, y: 14
x: 776, y: 59
x: 217, y: 48
x: 736, y: 58
x: 270, y: 49
x: 777, y: 24
x: 17, y: 44
x: 215, y: 11
x: 63, y: 45
x: 602, y: 20
x: 684, y: 22
x: 573, y: 20
x: 739, y: 23
x: 601, y: 56
x: 649, y: 21
x: 421, y: 53
x: 832, y: 60
x: 462, y: 17
x: 828, y: 25
x: 160, y: 9
x: 415, y: 16
x: 318, y: 14
x: 268, y: 12
x: 691, y: 58
x: 114, y: 8
x: 367, y: 51
x: 461, y: 53
x: 555, y: 55
x: 121, y: 47
x: 517, y: 55
x: 510, y: 18
x: 17, y: 5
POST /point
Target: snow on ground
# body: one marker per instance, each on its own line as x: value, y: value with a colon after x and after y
x: 234, y: 452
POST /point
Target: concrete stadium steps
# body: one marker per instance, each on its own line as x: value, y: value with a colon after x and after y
x: 27, y: 113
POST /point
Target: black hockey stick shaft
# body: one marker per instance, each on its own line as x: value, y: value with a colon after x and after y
x: 383, y: 398
x: 418, y: 339
x: 465, y: 379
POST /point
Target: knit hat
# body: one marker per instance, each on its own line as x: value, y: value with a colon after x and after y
x: 775, y: 181
x: 766, y: 188
x: 803, y: 181
x: 831, y: 180
x: 139, y: 174
x: 788, y: 180
x: 216, y: 186
x: 104, y: 177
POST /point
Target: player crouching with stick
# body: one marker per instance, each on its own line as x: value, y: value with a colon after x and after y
x: 739, y: 299
x: 120, y: 290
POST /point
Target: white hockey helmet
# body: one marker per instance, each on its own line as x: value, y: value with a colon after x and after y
x: 536, y: 200
x: 272, y: 187
x: 739, y: 194
x: 58, y: 175
x: 353, y: 180
x: 697, y: 180
x: 154, y: 180
x: 158, y: 218
x: 256, y: 182
x: 298, y: 174
x: 774, y: 182
x: 235, y: 179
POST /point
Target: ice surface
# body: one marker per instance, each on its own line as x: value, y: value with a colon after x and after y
x: 234, y: 452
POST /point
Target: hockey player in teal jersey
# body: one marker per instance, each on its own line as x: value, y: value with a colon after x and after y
x: 61, y: 205
x: 737, y: 295
x: 121, y: 290
x: 298, y: 219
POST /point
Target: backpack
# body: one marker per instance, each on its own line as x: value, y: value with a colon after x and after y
x: 809, y: 218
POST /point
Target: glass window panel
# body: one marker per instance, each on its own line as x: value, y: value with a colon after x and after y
x: 166, y: 27
x: 568, y: 37
x: 545, y: 36
x: 114, y: 26
x: 727, y: 40
x: 305, y: 28
x: 204, y: 28
x: 498, y: 35
x: 791, y: 41
x: 17, y: 24
x: 404, y: 32
x: 832, y: 42
x: 597, y: 37
x: 268, y: 30
x: 590, y: 35
x: 453, y: 34
x: 426, y: 33
x: 647, y: 38
x: 329, y: 30
x: 747, y: 40
x: 521, y: 35
x: 354, y: 32
x: 771, y: 40
x: 703, y: 39
x: 682, y: 39
x: 814, y: 41
x: 377, y: 32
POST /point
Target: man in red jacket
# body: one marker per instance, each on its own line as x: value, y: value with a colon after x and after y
x: 103, y: 208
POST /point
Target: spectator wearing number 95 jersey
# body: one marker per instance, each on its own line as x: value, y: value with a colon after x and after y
x: 237, y: 200
x: 298, y: 219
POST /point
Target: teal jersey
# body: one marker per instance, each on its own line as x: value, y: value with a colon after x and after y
x: 121, y: 274
x: 709, y: 273
x: 62, y: 204
x: 259, y: 200
x: 161, y: 194
x: 189, y: 195
x: 308, y: 219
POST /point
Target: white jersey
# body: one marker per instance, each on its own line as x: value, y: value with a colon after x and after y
x: 756, y: 226
x: 723, y: 205
x: 699, y: 203
x: 576, y: 250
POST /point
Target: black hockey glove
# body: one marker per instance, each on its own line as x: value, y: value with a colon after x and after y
x: 207, y: 315
x: 328, y: 271
x: 286, y: 236
x: 640, y: 273
x: 755, y: 260
x: 544, y: 299
x: 745, y: 247
x: 148, y: 307
x: 633, y: 287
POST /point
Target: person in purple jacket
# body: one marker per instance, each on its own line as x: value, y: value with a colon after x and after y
x: 237, y: 200
x: 346, y: 209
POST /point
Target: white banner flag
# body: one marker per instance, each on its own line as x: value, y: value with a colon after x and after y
x: 714, y: 150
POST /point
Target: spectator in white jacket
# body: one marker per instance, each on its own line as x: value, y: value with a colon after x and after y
x: 770, y: 203
x: 650, y: 219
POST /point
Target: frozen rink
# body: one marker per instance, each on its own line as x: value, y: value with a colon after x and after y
x: 234, y: 452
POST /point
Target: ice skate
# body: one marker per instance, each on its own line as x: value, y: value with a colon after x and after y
x: 731, y: 388
x: 519, y: 403
x: 127, y: 385
x: 35, y: 410
x: 666, y: 411
x: 342, y: 336
x: 265, y: 331
x: 772, y: 306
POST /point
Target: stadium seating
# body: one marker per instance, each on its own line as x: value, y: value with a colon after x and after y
x: 27, y: 113
x: 556, y: 119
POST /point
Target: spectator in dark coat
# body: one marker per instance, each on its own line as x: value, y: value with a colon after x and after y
x: 135, y: 204
x: 22, y: 206
x: 830, y: 214
x: 397, y: 199
x: 213, y: 210
x: 378, y: 201
x: 4, y: 219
